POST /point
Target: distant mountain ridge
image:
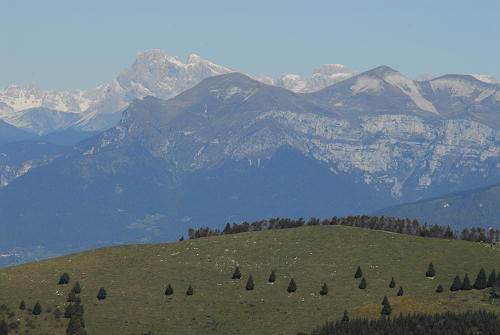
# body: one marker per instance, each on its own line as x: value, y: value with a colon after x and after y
x: 232, y: 148
x: 154, y: 73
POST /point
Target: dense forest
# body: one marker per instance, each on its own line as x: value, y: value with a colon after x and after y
x: 478, y: 322
x: 390, y: 224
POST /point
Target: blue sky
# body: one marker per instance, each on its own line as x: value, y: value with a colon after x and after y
x: 81, y: 44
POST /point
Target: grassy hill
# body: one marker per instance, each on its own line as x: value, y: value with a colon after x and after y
x: 135, y: 277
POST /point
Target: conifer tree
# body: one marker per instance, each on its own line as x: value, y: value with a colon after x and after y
x: 324, y: 290
x: 386, y: 309
x: 272, y: 277
x: 400, y: 292
x: 491, y: 279
x: 64, y: 279
x: 101, y: 295
x: 190, y: 290
x: 362, y: 285
x: 169, y: 290
x: 249, y: 285
x: 358, y: 273
x: 481, y: 282
x: 392, y: 284
x: 77, y: 289
x: 236, y: 273
x: 431, y: 272
x: 456, y: 285
x: 4, y: 328
x: 22, y: 305
x: 385, y: 300
x: 37, y: 309
x: 466, y: 284
x: 292, y: 287
x: 439, y: 289
x: 345, y: 318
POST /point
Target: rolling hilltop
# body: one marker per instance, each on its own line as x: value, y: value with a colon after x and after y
x: 135, y: 278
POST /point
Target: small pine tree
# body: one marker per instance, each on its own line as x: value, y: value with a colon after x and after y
x: 272, y: 277
x: 236, y: 273
x: 400, y: 292
x: 392, y: 284
x: 385, y: 300
x: 439, y: 289
x: 37, y: 309
x: 386, y: 309
x: 481, y: 282
x: 64, y: 279
x: 431, y: 272
x: 324, y: 290
x: 75, y: 327
x: 466, y: 284
x: 4, y: 328
x: 249, y: 285
x: 101, y: 295
x: 22, y: 305
x: 345, y: 318
x: 491, y: 279
x: 456, y: 285
x: 190, y: 290
x: 169, y: 290
x: 292, y: 287
x: 77, y: 289
x: 358, y: 273
x: 362, y: 285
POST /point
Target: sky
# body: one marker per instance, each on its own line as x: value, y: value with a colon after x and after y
x: 68, y: 45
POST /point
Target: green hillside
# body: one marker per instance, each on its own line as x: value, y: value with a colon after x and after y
x: 135, y: 278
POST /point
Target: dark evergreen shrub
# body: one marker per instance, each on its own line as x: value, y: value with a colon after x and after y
x: 37, y: 309
x: 190, y: 290
x: 272, y: 277
x: 481, y: 282
x: 22, y: 305
x: 345, y: 318
x: 64, y: 279
x: 4, y: 328
x: 101, y: 295
x: 385, y: 300
x: 386, y: 309
x: 466, y: 284
x: 236, y: 273
x: 400, y: 292
x: 324, y: 290
x: 439, y: 289
x: 392, y: 284
x: 456, y: 285
x: 169, y: 290
x: 249, y: 285
x: 77, y: 289
x: 358, y: 273
x: 431, y: 272
x: 491, y: 279
x: 292, y: 287
x: 362, y: 285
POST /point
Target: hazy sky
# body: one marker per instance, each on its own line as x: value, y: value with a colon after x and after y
x: 81, y: 44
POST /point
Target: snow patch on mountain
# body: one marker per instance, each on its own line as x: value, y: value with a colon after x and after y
x: 410, y: 89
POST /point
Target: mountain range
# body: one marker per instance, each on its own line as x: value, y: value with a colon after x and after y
x: 153, y: 73
x: 233, y: 148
